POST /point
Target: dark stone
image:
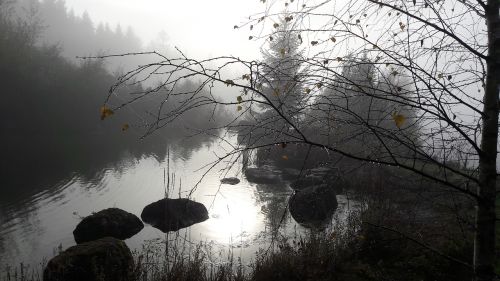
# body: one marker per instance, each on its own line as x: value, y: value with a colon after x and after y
x: 174, y: 214
x: 103, y: 259
x: 231, y: 181
x: 313, y: 206
x: 262, y: 175
x: 112, y: 222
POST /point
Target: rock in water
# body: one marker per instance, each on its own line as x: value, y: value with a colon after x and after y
x: 313, y: 206
x: 262, y: 175
x: 173, y: 214
x: 112, y: 222
x: 103, y: 259
x: 231, y: 181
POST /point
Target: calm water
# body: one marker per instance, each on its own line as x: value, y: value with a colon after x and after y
x: 34, y: 224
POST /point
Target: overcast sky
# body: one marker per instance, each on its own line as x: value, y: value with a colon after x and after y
x: 198, y: 27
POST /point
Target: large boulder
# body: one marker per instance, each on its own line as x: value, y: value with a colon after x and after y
x: 112, y: 222
x: 103, y: 259
x: 263, y: 175
x: 174, y: 214
x: 313, y: 206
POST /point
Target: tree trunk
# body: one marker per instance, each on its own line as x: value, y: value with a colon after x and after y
x: 484, y: 243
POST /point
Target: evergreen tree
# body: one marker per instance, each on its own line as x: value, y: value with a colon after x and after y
x: 362, y: 114
x: 280, y: 75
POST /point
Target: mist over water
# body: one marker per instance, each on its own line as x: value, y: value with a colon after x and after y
x: 62, y: 163
x: 241, y: 217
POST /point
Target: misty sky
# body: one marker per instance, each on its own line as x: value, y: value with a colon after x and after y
x: 199, y: 28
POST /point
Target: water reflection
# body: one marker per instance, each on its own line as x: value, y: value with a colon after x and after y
x: 45, y: 194
x: 274, y: 204
x: 241, y: 216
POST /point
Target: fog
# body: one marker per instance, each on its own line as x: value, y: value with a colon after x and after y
x: 340, y: 121
x: 54, y: 97
x: 199, y: 28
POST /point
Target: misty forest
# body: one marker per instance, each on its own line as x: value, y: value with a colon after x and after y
x: 249, y: 140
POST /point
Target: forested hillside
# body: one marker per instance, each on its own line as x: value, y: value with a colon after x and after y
x: 53, y: 109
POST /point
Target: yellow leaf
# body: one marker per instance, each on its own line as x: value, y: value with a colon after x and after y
x: 239, y: 108
x: 282, y: 52
x: 399, y: 119
x: 276, y: 92
x: 245, y: 76
x: 125, y: 127
x: 239, y: 98
x: 319, y: 85
x: 106, y: 112
x: 308, y: 90
x: 284, y: 157
x: 440, y: 75
x: 229, y: 82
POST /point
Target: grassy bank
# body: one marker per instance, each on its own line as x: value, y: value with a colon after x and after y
x: 412, y: 230
x: 356, y: 252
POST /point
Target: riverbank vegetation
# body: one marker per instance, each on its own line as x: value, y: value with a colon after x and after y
x: 404, y: 137
x: 388, y: 92
x: 355, y: 250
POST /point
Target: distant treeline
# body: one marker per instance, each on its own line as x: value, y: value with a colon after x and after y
x: 77, y: 35
x: 50, y: 109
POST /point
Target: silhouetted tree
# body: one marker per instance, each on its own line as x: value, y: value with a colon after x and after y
x: 446, y: 54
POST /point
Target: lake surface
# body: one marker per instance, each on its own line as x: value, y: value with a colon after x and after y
x: 34, y: 224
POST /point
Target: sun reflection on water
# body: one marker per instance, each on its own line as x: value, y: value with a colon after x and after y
x: 231, y: 216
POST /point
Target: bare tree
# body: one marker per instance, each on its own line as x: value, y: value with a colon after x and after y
x: 436, y: 59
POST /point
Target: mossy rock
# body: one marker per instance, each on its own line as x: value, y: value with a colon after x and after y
x: 112, y: 222
x: 106, y: 259
x: 173, y: 214
x: 313, y: 206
